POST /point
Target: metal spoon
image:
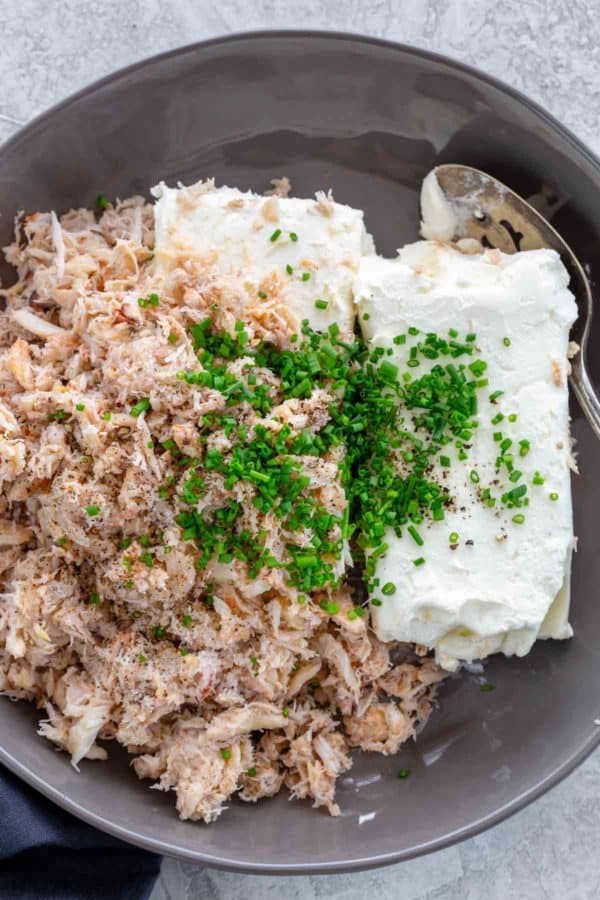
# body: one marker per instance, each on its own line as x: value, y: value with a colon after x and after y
x: 493, y: 214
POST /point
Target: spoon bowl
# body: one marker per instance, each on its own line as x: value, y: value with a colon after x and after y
x: 493, y: 214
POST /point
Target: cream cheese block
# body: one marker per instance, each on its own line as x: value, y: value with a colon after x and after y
x: 306, y: 251
x: 502, y: 584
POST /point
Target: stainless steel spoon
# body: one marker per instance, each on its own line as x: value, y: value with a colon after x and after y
x: 493, y: 214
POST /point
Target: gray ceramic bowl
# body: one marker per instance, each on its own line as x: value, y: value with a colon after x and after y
x: 369, y: 119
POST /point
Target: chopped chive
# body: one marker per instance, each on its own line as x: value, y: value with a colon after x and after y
x: 80, y: 407
x: 172, y: 339
x: 321, y: 304
x: 141, y: 406
x: 289, y: 269
x: 262, y: 295
x: 107, y: 416
x: 293, y: 236
x: 553, y: 495
x: 506, y: 341
x: 275, y: 235
x: 186, y: 621
x: 95, y: 599
x: 403, y: 773
x: 474, y: 476
x: 226, y: 753
x: 419, y: 561
x: 92, y: 510
x: 453, y: 537
x: 142, y: 658
x: 376, y: 602
x: 388, y: 589
x: 538, y: 479
x: 495, y: 395
x: 518, y: 519
x: 512, y: 417
x: 453, y: 332
x: 305, y: 276
x: 102, y: 202
x: 251, y: 772
x: 285, y: 712
x: 366, y: 317
x: 445, y: 461
x: 415, y: 535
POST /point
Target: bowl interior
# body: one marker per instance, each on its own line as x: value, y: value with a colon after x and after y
x: 369, y: 120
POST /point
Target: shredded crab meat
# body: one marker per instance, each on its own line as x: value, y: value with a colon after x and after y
x: 218, y: 683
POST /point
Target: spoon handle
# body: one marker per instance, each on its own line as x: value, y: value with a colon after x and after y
x: 585, y: 393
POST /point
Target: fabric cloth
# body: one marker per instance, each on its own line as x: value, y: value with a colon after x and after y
x: 47, y: 854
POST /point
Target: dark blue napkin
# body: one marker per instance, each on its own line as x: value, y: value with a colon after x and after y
x: 47, y: 854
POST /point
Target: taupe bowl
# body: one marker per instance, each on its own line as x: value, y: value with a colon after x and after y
x: 369, y: 119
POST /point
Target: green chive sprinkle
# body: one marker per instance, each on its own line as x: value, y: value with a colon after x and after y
x: 518, y: 519
x: 142, y: 658
x: 186, y: 621
x: 95, y: 599
x: 262, y: 295
x: 251, y: 772
x: 376, y: 602
x: 506, y: 341
x: 321, y: 304
x: 420, y: 561
x: 474, y: 476
x: 275, y: 235
x: 289, y: 269
x: 101, y: 201
x: 92, y: 510
x: 512, y: 417
x: 285, y: 712
x: 538, y: 479
x: 388, y: 589
x: 293, y: 236
x: 415, y: 535
x: 80, y: 407
x: 107, y: 416
x: 553, y: 496
x: 141, y: 406
x: 226, y: 752
x: 453, y: 537
x: 403, y: 773
x: 305, y: 276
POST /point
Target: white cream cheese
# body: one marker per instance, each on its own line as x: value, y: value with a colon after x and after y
x: 258, y: 239
x: 505, y: 584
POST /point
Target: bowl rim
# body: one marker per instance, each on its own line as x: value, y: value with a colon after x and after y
x: 165, y: 847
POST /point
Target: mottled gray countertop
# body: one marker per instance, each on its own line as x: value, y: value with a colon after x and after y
x: 551, y: 50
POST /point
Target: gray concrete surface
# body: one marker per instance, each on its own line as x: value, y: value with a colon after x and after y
x: 551, y: 50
